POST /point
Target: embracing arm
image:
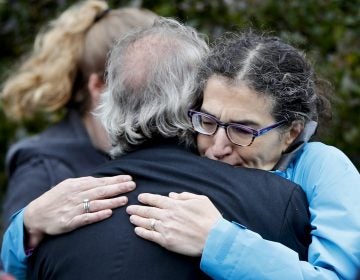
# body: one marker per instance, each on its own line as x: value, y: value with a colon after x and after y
x: 57, y: 211
x: 61, y: 209
x: 190, y: 224
x: 332, y: 186
x: 234, y: 252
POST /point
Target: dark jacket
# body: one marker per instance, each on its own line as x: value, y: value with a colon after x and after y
x: 263, y: 202
x: 37, y: 163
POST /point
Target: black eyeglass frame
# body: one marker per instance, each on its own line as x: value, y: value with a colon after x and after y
x: 255, y: 132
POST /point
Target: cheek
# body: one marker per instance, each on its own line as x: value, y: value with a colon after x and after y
x: 265, y: 154
x: 203, y: 143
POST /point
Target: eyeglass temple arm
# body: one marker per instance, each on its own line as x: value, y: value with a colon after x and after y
x: 291, y: 152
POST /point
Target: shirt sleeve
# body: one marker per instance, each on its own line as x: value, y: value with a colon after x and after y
x: 332, y: 186
x: 233, y: 252
x: 13, y: 252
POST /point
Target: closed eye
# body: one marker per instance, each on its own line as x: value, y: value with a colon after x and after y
x: 241, y: 130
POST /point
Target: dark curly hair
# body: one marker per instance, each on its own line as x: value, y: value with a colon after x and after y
x: 270, y: 67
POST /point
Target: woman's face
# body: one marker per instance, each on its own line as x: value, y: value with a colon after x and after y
x: 240, y: 104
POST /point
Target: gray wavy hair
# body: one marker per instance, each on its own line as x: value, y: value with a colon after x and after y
x: 151, y: 80
x: 273, y: 68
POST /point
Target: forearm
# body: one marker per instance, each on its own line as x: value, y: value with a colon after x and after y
x: 233, y: 252
x: 13, y: 252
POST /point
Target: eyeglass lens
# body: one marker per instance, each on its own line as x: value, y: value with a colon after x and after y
x: 208, y: 126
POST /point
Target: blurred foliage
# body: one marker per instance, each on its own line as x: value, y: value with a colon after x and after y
x: 328, y: 31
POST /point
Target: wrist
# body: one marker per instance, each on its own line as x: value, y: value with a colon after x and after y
x: 32, y: 234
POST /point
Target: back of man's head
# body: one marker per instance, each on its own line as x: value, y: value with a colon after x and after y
x: 150, y: 84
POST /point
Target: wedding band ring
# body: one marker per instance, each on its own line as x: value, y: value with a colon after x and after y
x: 152, y: 224
x: 86, y: 205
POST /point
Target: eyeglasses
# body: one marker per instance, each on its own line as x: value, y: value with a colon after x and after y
x: 238, y: 134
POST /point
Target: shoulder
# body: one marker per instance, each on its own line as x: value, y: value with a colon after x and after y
x: 27, y: 155
x: 321, y: 167
x: 29, y: 146
x: 321, y: 148
x: 21, y: 148
x: 55, y: 134
x: 74, y: 153
x: 317, y: 153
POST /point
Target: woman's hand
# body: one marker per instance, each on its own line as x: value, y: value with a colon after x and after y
x: 61, y: 209
x: 179, y: 223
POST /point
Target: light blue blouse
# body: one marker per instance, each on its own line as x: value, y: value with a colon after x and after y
x: 332, y: 186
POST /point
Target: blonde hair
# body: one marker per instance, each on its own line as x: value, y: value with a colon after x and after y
x: 73, y: 46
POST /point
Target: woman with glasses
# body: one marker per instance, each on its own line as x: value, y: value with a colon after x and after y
x: 258, y: 102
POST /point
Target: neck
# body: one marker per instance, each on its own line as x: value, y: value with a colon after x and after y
x: 96, y: 132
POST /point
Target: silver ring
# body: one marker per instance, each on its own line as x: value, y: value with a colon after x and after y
x: 86, y: 205
x: 153, y: 224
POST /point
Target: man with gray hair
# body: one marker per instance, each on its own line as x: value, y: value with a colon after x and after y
x: 151, y: 81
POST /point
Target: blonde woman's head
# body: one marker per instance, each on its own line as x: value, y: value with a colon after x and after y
x: 65, y: 54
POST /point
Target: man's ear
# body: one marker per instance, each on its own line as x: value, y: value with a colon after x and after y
x: 95, y: 86
x: 294, y: 131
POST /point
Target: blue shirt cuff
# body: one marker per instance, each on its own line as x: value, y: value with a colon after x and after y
x: 12, y: 252
x: 217, y: 247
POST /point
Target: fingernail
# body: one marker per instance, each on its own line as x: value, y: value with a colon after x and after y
x: 108, y: 212
x: 131, y: 185
x: 126, y: 177
x: 128, y: 209
x: 131, y: 219
x: 137, y: 230
x: 140, y: 197
x: 123, y: 199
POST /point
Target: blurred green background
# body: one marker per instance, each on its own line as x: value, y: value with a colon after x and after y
x: 328, y: 30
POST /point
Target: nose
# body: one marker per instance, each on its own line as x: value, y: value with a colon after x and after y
x: 222, y: 146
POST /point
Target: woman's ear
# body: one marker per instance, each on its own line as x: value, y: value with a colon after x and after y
x: 294, y: 131
x: 95, y: 86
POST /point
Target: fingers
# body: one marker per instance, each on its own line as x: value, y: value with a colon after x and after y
x: 150, y: 224
x: 65, y: 203
x: 89, y: 218
x: 150, y: 235
x: 144, y: 211
x: 103, y: 181
x: 98, y: 205
x: 155, y: 200
x: 87, y: 183
x: 98, y: 210
x: 185, y: 196
x: 106, y: 191
x: 148, y: 228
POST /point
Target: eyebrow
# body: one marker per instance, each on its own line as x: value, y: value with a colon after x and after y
x: 243, y: 122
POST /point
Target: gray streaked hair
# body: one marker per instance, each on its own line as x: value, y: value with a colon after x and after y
x: 272, y: 68
x: 151, y: 80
